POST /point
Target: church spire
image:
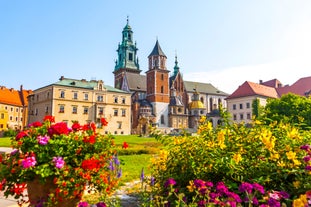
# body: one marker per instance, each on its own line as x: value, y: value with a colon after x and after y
x: 127, y: 50
x: 176, y: 67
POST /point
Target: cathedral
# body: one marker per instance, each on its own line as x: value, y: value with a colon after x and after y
x: 160, y: 98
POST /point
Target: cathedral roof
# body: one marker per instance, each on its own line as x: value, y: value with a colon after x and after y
x: 136, y: 82
x: 206, y: 88
x: 157, y: 50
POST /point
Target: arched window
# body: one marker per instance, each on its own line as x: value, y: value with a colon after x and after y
x: 162, y: 119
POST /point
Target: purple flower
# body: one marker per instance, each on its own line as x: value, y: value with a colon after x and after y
x: 235, y: 197
x: 142, y: 175
x: 29, y: 162
x: 259, y: 188
x: 14, y: 152
x: 43, y: 140
x: 307, y: 158
x: 305, y: 147
x: 246, y: 187
x: 255, y: 201
x: 273, y: 203
x: 221, y: 188
x: 169, y: 182
x: 284, y: 194
x: 308, y: 168
x: 119, y: 173
x: 116, y: 160
x: 59, y: 162
x: 111, y: 167
x: 152, y: 180
x: 199, y: 183
x: 101, y: 204
x: 83, y: 204
x: 201, y: 203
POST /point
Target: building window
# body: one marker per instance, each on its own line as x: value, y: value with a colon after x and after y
x: 75, y: 95
x: 2, y: 115
x: 248, y: 105
x: 62, y: 94
x: 234, y: 117
x: 234, y: 107
x: 162, y: 77
x: 100, y: 98
x: 61, y: 109
x: 115, y: 112
x: 74, y: 109
x: 130, y: 56
x: 11, y: 118
x: 1, y: 126
x: 241, y: 117
x: 119, y: 125
x: 100, y: 110
x: 46, y: 109
x: 241, y: 106
x: 16, y: 119
x: 85, y: 110
x: 11, y: 109
x: 86, y: 96
x: 123, y: 100
x: 202, y: 99
x: 162, y: 89
x: 162, y: 119
x: 123, y: 111
x: 115, y: 99
x: 248, y: 116
x: 36, y: 112
x: 16, y: 109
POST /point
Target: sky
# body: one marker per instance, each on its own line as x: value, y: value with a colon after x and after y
x: 223, y: 42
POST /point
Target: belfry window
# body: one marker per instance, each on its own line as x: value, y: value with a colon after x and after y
x: 130, y: 56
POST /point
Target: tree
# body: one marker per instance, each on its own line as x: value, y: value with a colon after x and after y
x: 257, y: 109
x: 290, y: 108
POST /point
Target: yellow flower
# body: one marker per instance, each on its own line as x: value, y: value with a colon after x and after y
x: 267, y: 139
x: 275, y: 156
x: 291, y: 155
x: 281, y: 164
x: 191, y: 186
x: 296, y: 184
x: 301, y: 201
x: 202, y: 119
x: 237, y: 158
x: 294, y: 134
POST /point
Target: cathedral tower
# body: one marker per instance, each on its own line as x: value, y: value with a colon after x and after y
x: 158, y: 85
x: 127, y: 61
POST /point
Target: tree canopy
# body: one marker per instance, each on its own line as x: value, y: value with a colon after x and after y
x: 290, y: 108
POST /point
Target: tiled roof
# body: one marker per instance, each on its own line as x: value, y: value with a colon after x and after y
x: 136, y: 82
x: 14, y: 97
x: 300, y: 87
x: 274, y: 83
x: 203, y: 88
x: 252, y: 89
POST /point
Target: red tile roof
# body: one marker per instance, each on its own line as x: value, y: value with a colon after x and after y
x: 252, y: 89
x: 14, y: 97
x: 274, y: 83
x: 300, y: 87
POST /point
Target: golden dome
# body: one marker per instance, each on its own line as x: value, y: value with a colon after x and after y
x: 196, y: 105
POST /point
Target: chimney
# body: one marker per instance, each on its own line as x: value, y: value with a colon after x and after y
x: 62, y: 78
x: 260, y: 81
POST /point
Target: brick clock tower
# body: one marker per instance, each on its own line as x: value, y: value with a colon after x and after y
x: 127, y: 61
x: 158, y: 85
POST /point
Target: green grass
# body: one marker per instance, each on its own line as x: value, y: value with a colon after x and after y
x: 5, y: 142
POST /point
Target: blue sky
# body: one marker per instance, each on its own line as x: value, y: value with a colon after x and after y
x: 223, y: 42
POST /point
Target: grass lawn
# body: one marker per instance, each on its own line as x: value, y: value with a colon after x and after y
x: 5, y: 142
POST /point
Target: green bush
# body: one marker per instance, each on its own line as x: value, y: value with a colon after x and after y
x: 268, y: 155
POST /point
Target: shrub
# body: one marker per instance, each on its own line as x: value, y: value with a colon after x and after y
x: 268, y: 155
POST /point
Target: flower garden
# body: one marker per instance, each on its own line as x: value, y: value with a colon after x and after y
x: 231, y: 165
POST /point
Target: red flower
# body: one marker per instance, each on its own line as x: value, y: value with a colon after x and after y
x: 49, y: 118
x: 125, y: 145
x: 58, y: 129
x: 36, y: 124
x: 91, y: 139
x: 90, y: 164
x: 104, y: 122
x: 76, y: 126
x: 20, y: 135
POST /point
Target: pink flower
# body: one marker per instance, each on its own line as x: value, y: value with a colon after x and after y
x: 29, y: 162
x: 43, y: 140
x: 59, y: 162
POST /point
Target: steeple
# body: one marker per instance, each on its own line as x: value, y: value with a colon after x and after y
x: 157, y: 51
x: 157, y: 58
x: 127, y: 51
x: 176, y: 67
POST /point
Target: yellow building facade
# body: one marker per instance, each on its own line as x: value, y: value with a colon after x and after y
x: 70, y: 100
